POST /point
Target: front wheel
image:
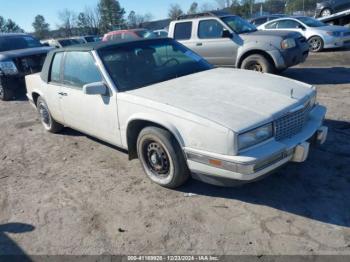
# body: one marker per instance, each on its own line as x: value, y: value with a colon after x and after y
x: 46, y: 119
x: 315, y: 44
x: 258, y: 63
x: 161, y: 157
x: 5, y: 93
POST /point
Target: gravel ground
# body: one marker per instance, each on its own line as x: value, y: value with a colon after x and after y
x: 70, y: 194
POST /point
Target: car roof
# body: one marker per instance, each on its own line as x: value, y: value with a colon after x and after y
x: 272, y: 15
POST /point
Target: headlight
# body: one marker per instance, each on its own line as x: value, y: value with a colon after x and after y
x: 8, y: 68
x: 335, y: 33
x: 255, y: 136
x: 288, y: 43
x: 313, y: 99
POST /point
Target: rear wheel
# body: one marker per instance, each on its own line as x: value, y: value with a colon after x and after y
x: 161, y: 157
x: 258, y: 63
x: 46, y: 119
x: 315, y: 44
x: 326, y: 12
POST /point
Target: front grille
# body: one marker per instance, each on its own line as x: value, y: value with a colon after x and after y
x: 30, y: 64
x: 291, y: 124
x: 347, y: 33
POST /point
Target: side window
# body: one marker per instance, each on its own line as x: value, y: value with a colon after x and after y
x: 272, y: 25
x: 56, y: 68
x: 287, y: 24
x: 80, y: 69
x: 210, y: 29
x: 183, y: 31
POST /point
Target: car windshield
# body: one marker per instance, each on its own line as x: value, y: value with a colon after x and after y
x: 139, y: 64
x: 18, y: 42
x: 239, y: 25
x: 145, y: 34
x: 311, y: 22
x: 91, y: 39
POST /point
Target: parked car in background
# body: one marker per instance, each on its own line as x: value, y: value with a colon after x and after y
x: 87, y: 38
x: 161, y: 33
x: 230, y: 41
x: 130, y: 34
x: 263, y: 19
x: 63, y: 42
x: 177, y: 113
x: 329, y: 7
x: 20, y: 55
x: 319, y: 35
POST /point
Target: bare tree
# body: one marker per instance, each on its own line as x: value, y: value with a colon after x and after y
x: 68, y: 20
x: 205, y: 7
x: 222, y: 4
x: 193, y: 8
x: 175, y: 11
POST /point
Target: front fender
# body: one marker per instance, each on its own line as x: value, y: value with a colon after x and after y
x: 159, y: 120
x: 256, y: 47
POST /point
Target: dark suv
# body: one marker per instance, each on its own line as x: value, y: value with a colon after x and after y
x: 329, y: 7
x: 20, y: 55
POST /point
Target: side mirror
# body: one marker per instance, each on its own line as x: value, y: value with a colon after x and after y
x: 226, y: 34
x: 97, y: 88
x: 301, y: 27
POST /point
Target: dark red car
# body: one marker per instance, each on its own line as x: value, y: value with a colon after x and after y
x: 128, y: 35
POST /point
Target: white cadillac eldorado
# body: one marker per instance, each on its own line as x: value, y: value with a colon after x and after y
x: 176, y: 113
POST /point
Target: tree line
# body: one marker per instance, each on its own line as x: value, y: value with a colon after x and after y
x: 109, y: 15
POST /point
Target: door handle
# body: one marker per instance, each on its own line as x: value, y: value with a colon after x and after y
x: 199, y: 44
x: 63, y: 94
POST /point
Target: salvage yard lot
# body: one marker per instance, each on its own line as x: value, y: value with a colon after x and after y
x: 71, y: 194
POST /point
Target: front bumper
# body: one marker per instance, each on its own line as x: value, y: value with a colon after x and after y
x: 261, y: 160
x: 290, y: 57
x: 336, y: 42
x: 13, y: 82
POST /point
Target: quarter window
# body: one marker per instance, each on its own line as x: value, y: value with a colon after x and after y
x: 56, y: 68
x: 210, y: 29
x: 80, y: 69
x: 183, y: 31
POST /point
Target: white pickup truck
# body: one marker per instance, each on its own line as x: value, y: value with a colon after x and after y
x: 175, y: 112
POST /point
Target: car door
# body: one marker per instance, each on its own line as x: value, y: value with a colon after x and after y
x: 213, y: 45
x: 95, y: 115
x: 53, y: 88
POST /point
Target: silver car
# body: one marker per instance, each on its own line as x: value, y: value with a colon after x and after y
x: 318, y: 34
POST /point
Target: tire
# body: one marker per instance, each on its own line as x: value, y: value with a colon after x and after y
x: 326, y: 12
x: 5, y: 93
x: 258, y: 63
x: 161, y: 157
x: 46, y: 119
x: 315, y: 44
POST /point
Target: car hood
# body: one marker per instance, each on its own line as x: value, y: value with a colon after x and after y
x: 270, y: 33
x: 236, y: 99
x: 24, y: 52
